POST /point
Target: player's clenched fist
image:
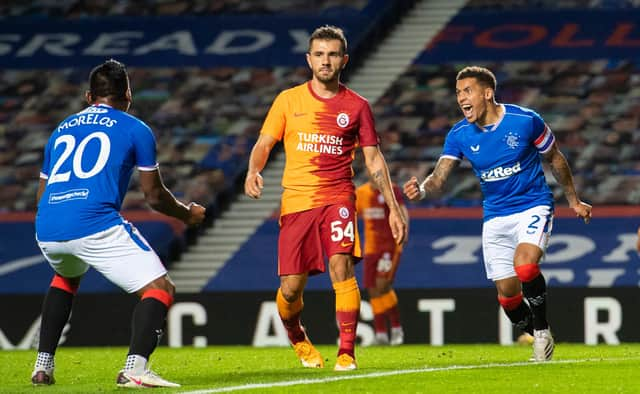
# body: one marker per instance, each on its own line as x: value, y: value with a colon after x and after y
x: 411, y: 189
x: 196, y: 214
x: 253, y: 185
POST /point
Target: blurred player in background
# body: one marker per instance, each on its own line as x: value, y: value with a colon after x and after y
x: 381, y: 260
x: 320, y: 123
x: 504, y: 144
x: 87, y: 166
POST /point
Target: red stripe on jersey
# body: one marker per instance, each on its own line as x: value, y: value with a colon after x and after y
x: 539, y: 140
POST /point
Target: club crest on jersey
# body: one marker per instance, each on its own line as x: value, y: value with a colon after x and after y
x: 342, y: 120
x: 512, y: 140
x: 343, y: 212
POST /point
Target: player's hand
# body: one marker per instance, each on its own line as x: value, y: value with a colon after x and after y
x: 253, y: 185
x: 411, y: 189
x: 196, y: 214
x: 583, y: 210
x: 398, y: 225
x: 638, y: 241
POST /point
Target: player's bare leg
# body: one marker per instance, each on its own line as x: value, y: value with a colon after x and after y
x: 290, y: 305
x: 147, y: 326
x: 56, y: 309
x: 342, y: 274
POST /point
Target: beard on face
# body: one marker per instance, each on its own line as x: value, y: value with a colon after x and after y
x: 329, y: 77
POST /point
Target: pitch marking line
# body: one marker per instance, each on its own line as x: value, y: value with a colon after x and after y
x: 286, y: 383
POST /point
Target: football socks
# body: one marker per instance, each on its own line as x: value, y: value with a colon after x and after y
x: 290, y: 316
x: 347, y: 311
x: 518, y: 312
x: 147, y: 326
x: 534, y: 288
x: 55, y: 314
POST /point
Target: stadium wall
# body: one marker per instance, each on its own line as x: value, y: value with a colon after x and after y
x: 431, y: 317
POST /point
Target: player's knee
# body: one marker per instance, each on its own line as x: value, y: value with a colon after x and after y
x: 290, y: 294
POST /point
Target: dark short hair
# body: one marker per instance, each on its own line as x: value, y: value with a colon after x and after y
x: 109, y: 79
x: 329, y: 32
x: 483, y: 75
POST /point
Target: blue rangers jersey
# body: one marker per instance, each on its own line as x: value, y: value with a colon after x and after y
x: 87, y: 164
x: 505, y: 157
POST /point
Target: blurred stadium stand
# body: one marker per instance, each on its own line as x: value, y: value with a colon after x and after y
x: 206, y: 118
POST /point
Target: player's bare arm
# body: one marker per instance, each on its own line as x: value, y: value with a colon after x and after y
x: 405, y: 213
x: 162, y: 200
x: 433, y: 183
x: 562, y: 172
x: 41, y: 186
x: 379, y: 172
x: 254, y: 183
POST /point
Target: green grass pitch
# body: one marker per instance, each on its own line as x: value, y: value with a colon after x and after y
x: 400, y: 369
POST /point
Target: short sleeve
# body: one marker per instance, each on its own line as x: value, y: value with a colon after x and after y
x: 543, y: 137
x: 46, y: 166
x: 276, y: 121
x: 367, y: 134
x: 144, y: 144
x: 451, y: 147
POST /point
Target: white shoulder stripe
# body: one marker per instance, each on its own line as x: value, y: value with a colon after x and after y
x: 148, y: 168
x: 523, y: 115
x: 461, y: 126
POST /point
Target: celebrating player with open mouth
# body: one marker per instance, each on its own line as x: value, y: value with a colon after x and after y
x: 504, y: 144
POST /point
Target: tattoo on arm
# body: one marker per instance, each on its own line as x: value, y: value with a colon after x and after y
x: 436, y: 180
x: 379, y: 180
x: 561, y: 171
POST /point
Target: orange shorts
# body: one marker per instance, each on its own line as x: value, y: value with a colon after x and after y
x: 307, y: 237
x: 380, y: 265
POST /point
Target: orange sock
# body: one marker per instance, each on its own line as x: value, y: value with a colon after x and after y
x: 347, y: 311
x: 379, y: 315
x: 391, y: 304
x: 290, y: 316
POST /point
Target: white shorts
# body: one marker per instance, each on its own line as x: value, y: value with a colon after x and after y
x: 120, y: 253
x: 501, y: 236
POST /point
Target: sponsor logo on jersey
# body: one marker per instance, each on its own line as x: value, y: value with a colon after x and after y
x: 500, y: 173
x: 319, y: 143
x: 373, y: 213
x: 475, y: 148
x: 75, y: 194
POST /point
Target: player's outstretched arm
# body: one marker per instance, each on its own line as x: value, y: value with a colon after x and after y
x: 162, y: 200
x: 254, y: 183
x: 433, y: 183
x: 379, y: 172
x: 562, y: 172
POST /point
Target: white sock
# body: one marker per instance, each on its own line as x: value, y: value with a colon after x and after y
x: 135, y: 364
x: 44, y: 361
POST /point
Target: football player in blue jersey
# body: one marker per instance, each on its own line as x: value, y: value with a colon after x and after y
x: 87, y: 166
x: 504, y: 144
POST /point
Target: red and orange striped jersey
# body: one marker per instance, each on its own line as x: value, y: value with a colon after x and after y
x: 320, y: 137
x: 373, y: 210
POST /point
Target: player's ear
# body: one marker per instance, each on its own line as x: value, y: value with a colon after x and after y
x: 345, y: 60
x: 488, y: 94
x: 309, y: 60
x: 87, y: 96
